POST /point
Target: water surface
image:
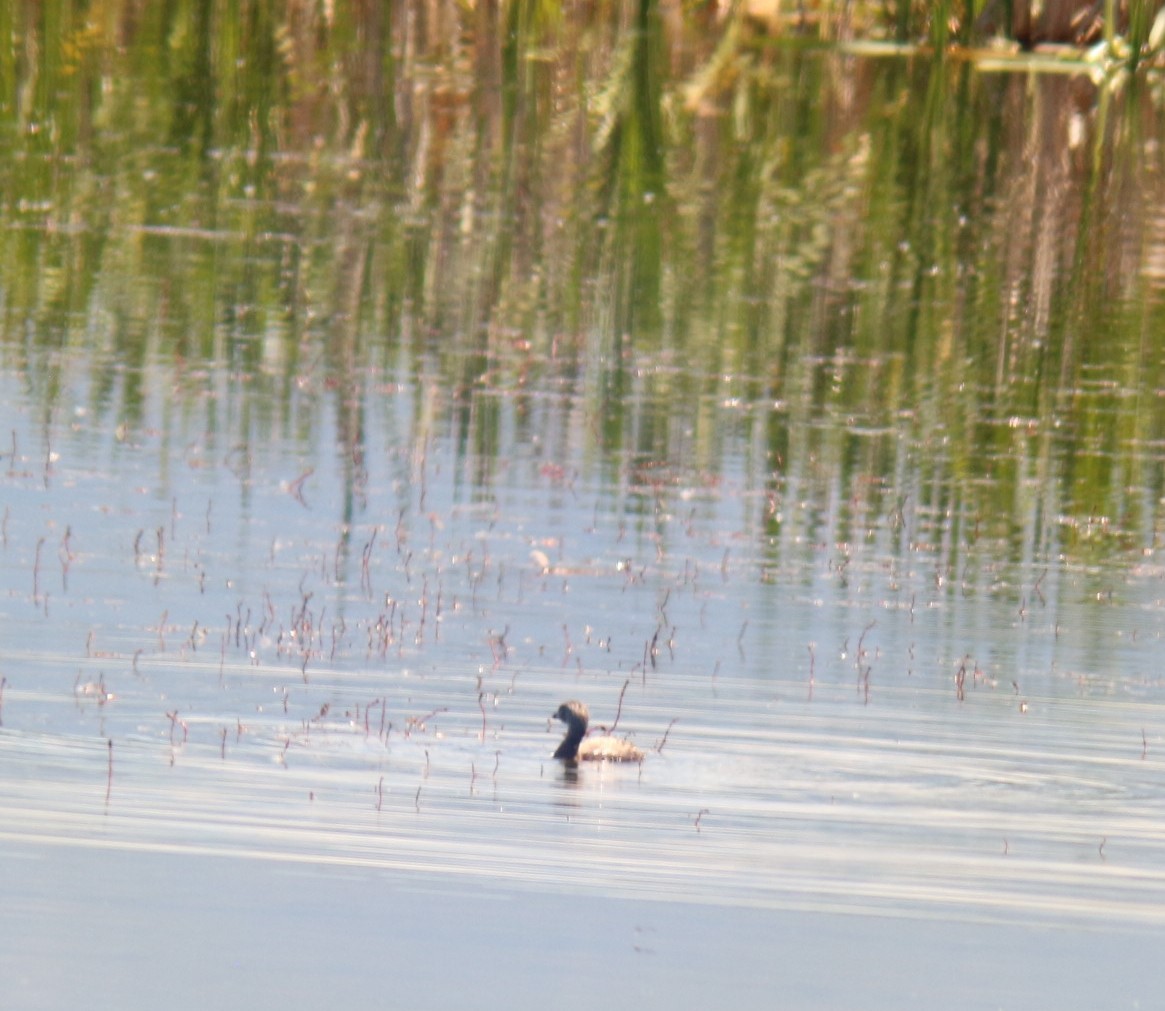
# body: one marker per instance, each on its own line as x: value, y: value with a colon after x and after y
x: 802, y: 418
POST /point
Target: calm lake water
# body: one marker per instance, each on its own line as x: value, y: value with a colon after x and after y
x: 805, y: 420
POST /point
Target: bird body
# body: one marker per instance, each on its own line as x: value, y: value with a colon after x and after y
x: 576, y: 746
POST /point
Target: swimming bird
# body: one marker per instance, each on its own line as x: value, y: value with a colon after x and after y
x: 594, y: 749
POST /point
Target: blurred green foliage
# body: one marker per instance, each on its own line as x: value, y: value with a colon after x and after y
x: 905, y: 276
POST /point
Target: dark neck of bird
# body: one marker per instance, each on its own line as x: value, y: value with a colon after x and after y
x: 574, y: 735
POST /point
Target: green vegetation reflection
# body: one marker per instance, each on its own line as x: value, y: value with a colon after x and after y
x: 934, y: 287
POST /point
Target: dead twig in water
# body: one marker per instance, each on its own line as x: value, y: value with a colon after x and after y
x: 36, y: 573
x: 500, y: 651
x: 419, y: 722
x: 160, y: 561
x: 1036, y: 588
x: 619, y: 710
x: 862, y: 639
x: 296, y: 487
x: 66, y: 556
x: 663, y: 740
x: 859, y: 656
x: 109, y: 774
x: 175, y: 723
x: 366, y: 564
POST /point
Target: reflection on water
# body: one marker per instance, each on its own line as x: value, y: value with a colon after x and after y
x: 831, y: 807
x: 855, y: 729
x: 798, y: 411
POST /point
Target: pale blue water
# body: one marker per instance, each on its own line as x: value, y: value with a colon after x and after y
x: 328, y: 702
x: 132, y: 929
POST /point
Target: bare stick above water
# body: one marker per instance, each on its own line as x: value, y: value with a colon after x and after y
x: 36, y: 572
x: 109, y: 774
x: 1036, y: 588
x: 960, y: 679
x: 619, y: 710
x: 663, y: 740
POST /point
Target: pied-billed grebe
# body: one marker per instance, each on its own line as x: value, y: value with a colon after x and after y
x: 594, y: 749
